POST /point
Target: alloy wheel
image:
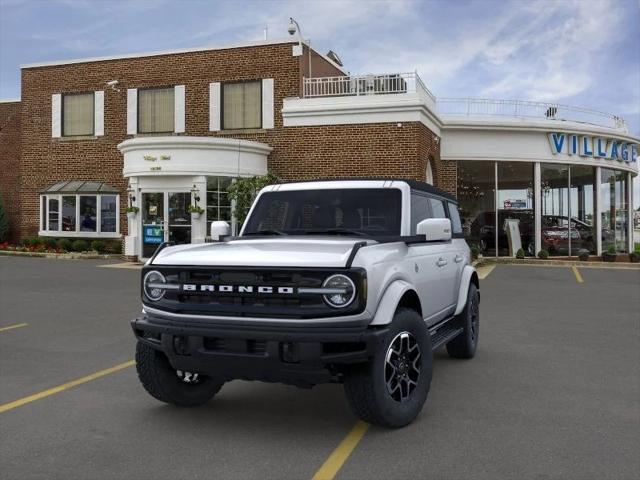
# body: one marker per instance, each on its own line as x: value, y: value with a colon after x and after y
x: 402, y: 366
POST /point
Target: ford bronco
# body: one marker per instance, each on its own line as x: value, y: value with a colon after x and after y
x: 346, y: 281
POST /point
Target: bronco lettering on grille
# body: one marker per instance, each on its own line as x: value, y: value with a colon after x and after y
x: 192, y: 287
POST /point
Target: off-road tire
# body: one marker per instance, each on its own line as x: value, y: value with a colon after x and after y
x: 465, y: 344
x: 365, y: 385
x: 160, y: 379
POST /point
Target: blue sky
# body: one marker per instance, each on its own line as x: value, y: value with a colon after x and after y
x: 578, y: 52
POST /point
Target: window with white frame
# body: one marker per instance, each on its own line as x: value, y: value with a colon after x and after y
x: 78, y: 114
x: 72, y: 209
x: 218, y: 203
x: 242, y: 105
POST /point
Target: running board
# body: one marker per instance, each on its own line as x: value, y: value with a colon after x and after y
x: 443, y: 333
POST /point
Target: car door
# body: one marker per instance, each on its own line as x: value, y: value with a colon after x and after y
x: 431, y: 266
x: 459, y: 244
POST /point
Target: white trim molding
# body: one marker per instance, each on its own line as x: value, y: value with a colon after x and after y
x: 132, y: 111
x: 267, y: 103
x: 98, y: 112
x: 182, y: 155
x: 214, y: 107
x: 56, y: 115
x: 179, y: 108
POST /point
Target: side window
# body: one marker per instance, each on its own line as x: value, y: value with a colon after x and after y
x: 437, y: 208
x: 454, y: 215
x: 419, y: 210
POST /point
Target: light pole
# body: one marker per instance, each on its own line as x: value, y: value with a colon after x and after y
x: 293, y: 28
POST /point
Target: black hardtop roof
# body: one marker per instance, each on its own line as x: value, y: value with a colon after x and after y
x: 413, y: 184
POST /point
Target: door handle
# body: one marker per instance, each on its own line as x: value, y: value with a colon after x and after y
x: 441, y: 262
x: 458, y: 258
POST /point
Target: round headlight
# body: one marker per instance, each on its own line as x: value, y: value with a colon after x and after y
x: 344, y: 291
x: 153, y: 285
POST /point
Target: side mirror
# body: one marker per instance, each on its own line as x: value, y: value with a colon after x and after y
x: 219, y: 229
x: 435, y: 229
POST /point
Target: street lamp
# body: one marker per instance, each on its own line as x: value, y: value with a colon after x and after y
x: 293, y: 28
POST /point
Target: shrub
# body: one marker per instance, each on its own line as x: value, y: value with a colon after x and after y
x: 611, y: 250
x: 520, y: 253
x: 244, y: 190
x: 583, y: 255
x: 27, y: 242
x: 475, y: 251
x: 99, y: 246
x: 80, y: 245
x: 48, y: 242
x: 65, y: 244
x: 114, y: 246
x: 4, y: 223
x: 634, y: 257
x: 543, y: 254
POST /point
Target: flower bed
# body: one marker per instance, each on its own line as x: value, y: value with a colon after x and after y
x: 63, y: 245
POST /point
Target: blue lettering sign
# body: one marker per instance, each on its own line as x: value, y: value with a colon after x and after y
x: 573, y: 146
x: 624, y: 152
x: 634, y: 153
x: 557, y: 142
x: 153, y: 235
x: 586, y: 148
x: 601, y: 150
x: 614, y: 150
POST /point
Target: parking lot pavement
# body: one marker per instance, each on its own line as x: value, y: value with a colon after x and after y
x: 554, y: 391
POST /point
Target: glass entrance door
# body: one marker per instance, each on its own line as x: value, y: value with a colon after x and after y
x: 164, y: 218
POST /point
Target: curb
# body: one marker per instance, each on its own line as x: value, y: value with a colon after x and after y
x: 64, y: 256
x: 556, y: 263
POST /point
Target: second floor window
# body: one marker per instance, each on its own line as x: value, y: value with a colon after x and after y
x: 156, y: 109
x: 242, y: 105
x: 77, y: 114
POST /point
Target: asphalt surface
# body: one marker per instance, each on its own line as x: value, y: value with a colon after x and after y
x: 554, y: 391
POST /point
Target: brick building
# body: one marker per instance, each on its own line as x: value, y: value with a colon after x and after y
x: 165, y: 130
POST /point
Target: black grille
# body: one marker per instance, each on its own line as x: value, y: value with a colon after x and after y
x: 253, y: 304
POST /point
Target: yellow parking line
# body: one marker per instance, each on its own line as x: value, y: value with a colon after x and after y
x: 577, y: 274
x: 130, y: 265
x: 334, y: 463
x: 60, y: 388
x: 11, y: 327
x: 484, y: 271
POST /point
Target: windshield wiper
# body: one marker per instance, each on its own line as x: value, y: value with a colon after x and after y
x: 337, y: 231
x: 266, y: 232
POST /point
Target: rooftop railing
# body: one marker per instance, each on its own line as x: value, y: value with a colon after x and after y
x: 399, y: 83
x: 356, y: 85
x: 525, y: 109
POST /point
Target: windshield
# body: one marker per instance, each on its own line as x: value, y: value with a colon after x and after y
x: 359, y: 212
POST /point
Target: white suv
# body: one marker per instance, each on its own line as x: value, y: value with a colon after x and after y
x: 352, y: 282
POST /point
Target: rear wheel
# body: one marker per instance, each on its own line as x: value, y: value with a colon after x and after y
x: 465, y: 344
x: 390, y: 391
x: 169, y: 385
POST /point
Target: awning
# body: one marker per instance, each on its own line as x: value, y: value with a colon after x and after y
x: 80, y: 186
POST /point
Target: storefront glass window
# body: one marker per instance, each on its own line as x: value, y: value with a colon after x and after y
x: 88, y: 213
x: 476, y: 197
x: 515, y: 206
x: 69, y: 213
x: 615, y: 210
x: 218, y: 203
x: 108, y: 218
x: 555, y: 208
x: 622, y: 212
x: 582, y: 206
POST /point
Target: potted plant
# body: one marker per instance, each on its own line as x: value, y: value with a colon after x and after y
x: 543, y: 254
x: 610, y: 255
x: 195, y: 211
x: 583, y: 255
x: 132, y: 212
x: 520, y: 254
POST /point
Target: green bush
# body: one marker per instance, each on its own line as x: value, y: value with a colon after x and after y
x: 520, y: 253
x: 65, y: 244
x: 4, y: 223
x: 634, y: 257
x: 48, y: 242
x: 80, y: 245
x: 244, y: 190
x: 114, y: 246
x: 611, y: 250
x: 543, y: 254
x: 30, y: 241
x: 99, y: 246
x: 583, y: 255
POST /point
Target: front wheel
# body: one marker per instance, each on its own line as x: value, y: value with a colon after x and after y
x: 465, y: 344
x: 169, y: 385
x: 391, y: 390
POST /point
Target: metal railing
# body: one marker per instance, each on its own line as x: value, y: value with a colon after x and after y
x: 356, y: 85
x: 526, y: 109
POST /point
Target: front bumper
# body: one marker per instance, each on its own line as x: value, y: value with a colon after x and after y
x: 300, y: 355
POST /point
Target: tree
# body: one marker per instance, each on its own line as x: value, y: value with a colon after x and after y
x: 4, y: 223
x: 244, y: 190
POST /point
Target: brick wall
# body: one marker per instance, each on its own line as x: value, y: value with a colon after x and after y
x: 10, y: 163
x: 298, y: 152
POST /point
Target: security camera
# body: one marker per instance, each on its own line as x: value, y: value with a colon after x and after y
x: 292, y: 27
x: 112, y: 83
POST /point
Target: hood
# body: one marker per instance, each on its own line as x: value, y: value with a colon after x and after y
x: 264, y: 252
